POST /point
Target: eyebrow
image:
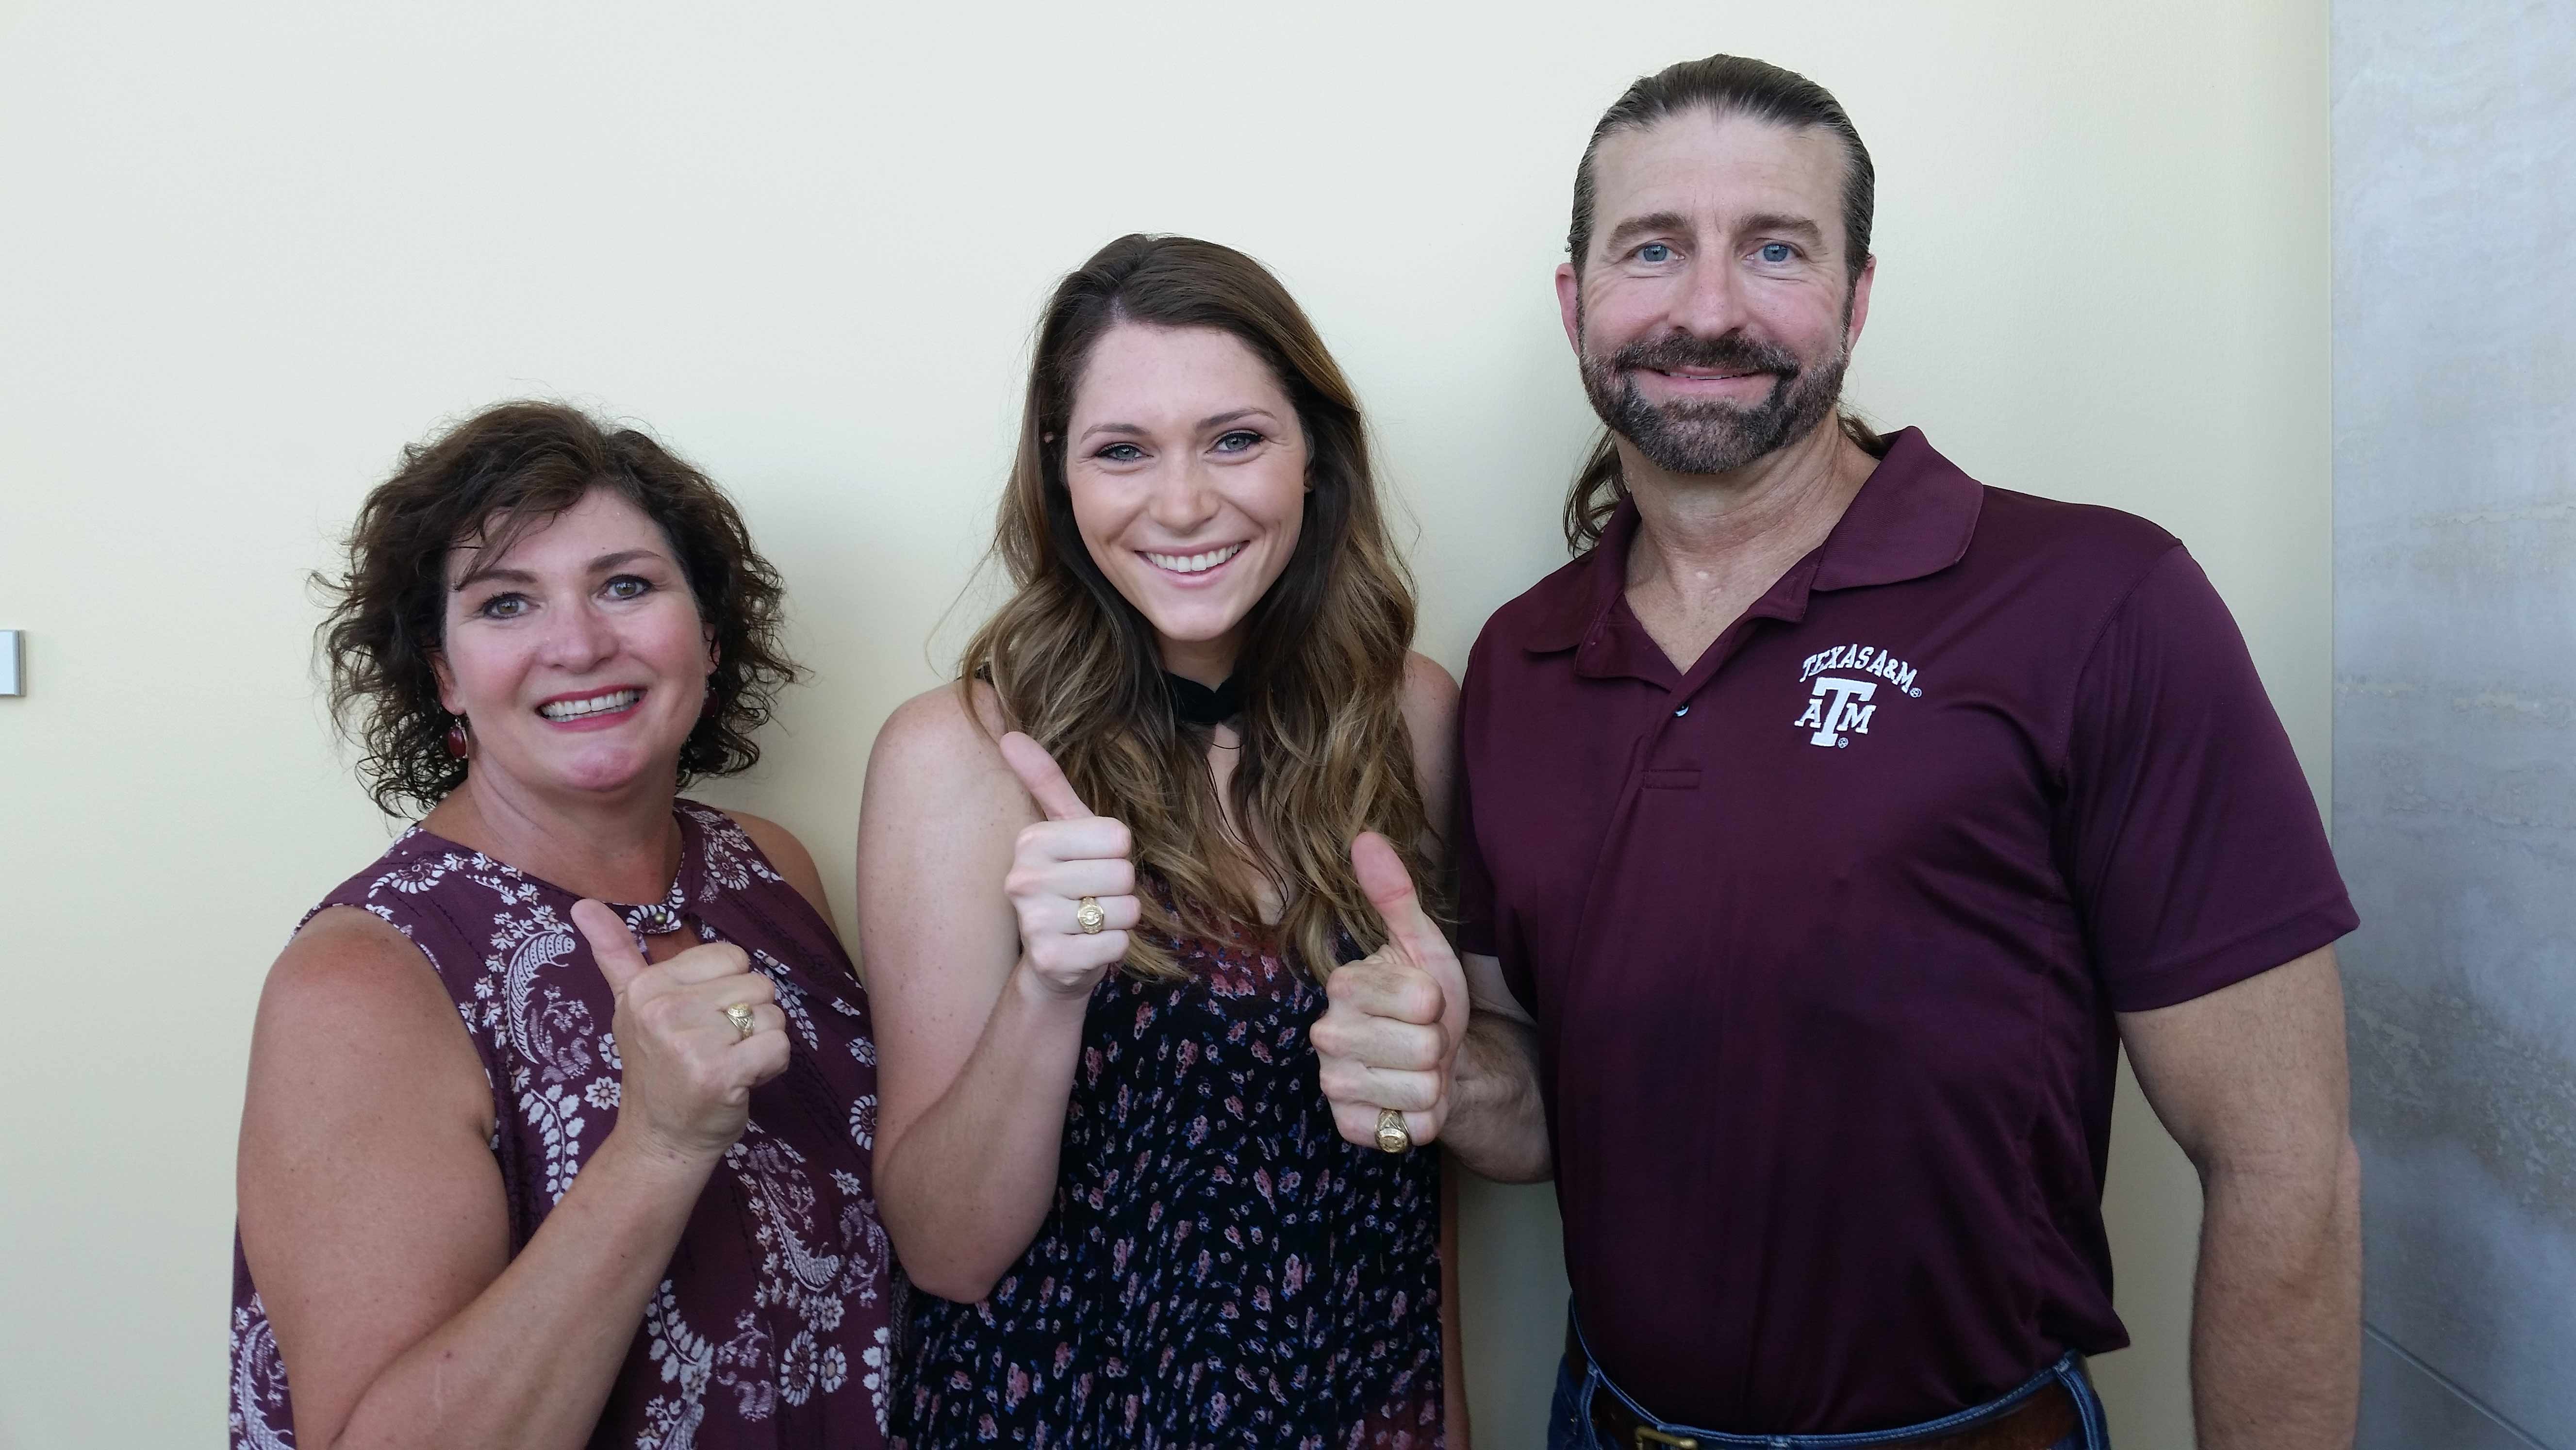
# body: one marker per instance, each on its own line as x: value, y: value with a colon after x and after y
x: 1212, y: 420
x: 1638, y: 226
x: 1796, y: 226
x: 600, y: 565
x: 1673, y: 221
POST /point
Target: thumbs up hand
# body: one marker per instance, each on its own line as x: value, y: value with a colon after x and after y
x: 1071, y: 881
x: 1395, y: 1017
x: 689, y: 1069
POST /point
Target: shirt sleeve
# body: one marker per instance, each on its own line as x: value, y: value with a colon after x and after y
x: 1475, y: 882
x: 2195, y: 847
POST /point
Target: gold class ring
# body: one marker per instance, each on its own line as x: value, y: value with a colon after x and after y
x: 739, y: 1014
x: 1090, y: 917
x: 1391, y: 1136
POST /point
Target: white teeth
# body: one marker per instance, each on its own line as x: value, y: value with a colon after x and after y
x: 1194, y: 563
x: 595, y: 705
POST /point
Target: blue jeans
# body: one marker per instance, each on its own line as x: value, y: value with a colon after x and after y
x: 1569, y: 1421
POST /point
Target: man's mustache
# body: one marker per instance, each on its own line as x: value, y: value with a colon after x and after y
x: 1732, y: 352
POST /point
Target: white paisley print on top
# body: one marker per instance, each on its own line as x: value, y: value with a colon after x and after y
x: 777, y: 1297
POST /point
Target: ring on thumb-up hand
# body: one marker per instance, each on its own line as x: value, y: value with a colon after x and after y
x: 1391, y: 1136
x: 1090, y: 917
x: 739, y: 1014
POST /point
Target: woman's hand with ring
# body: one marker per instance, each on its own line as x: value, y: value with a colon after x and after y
x: 689, y: 1067
x: 1071, y: 882
x: 1387, y: 1041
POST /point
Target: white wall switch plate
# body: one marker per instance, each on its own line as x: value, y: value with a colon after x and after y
x: 13, y: 663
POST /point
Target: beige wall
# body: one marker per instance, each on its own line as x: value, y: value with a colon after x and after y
x: 248, y: 250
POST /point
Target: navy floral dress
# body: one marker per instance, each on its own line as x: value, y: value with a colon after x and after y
x: 1220, y: 1268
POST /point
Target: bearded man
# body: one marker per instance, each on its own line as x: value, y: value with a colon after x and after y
x: 1828, y: 826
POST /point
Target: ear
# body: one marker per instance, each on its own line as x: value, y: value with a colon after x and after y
x: 1569, y: 303
x: 1860, y: 302
x: 446, y: 683
x: 715, y: 656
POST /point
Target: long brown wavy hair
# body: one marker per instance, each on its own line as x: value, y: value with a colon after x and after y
x: 1324, y: 752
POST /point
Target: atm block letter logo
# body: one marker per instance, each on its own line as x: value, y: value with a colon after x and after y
x: 1838, y: 710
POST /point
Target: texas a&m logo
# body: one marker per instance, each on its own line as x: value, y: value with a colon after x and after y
x: 1841, y: 708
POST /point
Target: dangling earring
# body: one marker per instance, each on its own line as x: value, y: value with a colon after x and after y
x: 457, y: 738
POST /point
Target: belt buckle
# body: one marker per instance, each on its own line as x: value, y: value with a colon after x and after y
x: 1645, y: 1435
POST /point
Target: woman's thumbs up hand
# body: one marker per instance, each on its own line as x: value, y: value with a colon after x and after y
x: 689, y: 1067
x: 1060, y: 863
x: 1395, y: 1017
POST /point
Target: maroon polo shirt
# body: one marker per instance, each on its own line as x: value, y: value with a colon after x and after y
x: 1824, y: 934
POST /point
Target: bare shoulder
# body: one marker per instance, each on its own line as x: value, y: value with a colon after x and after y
x: 353, y: 1012
x: 941, y: 728
x: 940, y: 741
x: 938, y: 785
x: 1430, y: 695
x: 1431, y: 728
x: 789, y: 855
x: 348, y: 961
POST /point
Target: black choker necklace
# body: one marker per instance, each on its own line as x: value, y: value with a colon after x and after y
x: 1196, y: 704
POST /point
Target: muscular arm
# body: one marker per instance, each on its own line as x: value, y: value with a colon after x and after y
x: 375, y: 1222
x: 975, y: 1053
x: 2251, y: 1081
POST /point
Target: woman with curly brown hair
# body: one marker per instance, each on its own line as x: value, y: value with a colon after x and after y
x: 1104, y: 878
x: 520, y: 1167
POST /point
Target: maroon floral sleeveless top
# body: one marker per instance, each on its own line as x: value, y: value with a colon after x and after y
x: 771, y: 1326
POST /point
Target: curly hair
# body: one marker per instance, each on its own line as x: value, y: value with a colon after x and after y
x: 487, y: 481
x: 1324, y: 751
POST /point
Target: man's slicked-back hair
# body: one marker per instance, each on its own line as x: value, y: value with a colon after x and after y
x: 1734, y: 85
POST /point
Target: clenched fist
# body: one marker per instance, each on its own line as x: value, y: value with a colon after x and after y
x: 1391, y: 1033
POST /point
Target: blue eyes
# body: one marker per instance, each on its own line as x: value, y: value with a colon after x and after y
x: 1241, y: 440
x: 1655, y: 254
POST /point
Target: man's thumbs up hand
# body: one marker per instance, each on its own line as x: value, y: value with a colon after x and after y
x: 1396, y: 1016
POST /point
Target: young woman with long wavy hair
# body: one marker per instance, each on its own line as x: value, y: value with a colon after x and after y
x: 1105, y: 878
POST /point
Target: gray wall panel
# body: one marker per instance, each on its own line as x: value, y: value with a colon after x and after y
x: 2405, y: 1406
x: 2455, y: 711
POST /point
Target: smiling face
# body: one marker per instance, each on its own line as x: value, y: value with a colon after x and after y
x: 1716, y: 312
x: 1186, y: 464
x: 577, y: 654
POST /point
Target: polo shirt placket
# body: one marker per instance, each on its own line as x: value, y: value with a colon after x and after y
x: 1824, y: 933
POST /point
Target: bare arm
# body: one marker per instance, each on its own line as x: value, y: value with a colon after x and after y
x: 2251, y: 1081
x: 977, y: 1040
x: 376, y: 1222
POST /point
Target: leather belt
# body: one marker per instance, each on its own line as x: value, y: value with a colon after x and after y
x: 2037, y: 1423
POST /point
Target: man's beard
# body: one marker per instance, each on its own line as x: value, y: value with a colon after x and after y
x: 1709, y: 435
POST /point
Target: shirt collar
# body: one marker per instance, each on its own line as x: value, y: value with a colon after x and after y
x: 1914, y: 516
